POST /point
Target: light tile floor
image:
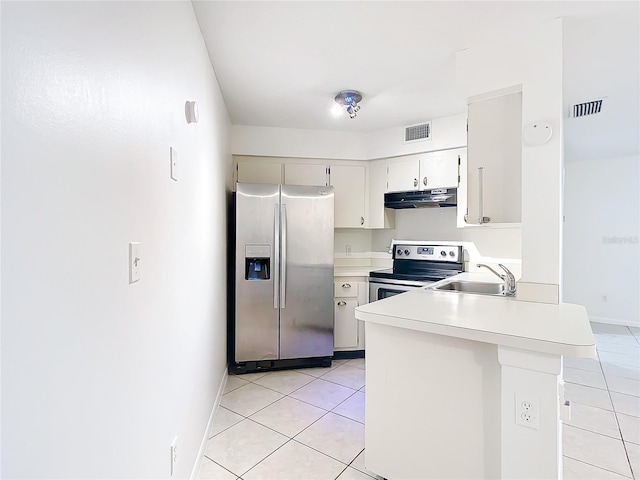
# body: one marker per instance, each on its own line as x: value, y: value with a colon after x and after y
x: 602, y: 440
x: 308, y: 424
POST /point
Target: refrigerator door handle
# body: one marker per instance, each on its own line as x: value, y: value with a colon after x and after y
x: 276, y: 255
x: 283, y: 256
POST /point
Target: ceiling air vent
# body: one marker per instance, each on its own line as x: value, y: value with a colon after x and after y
x: 414, y: 133
x: 587, y: 108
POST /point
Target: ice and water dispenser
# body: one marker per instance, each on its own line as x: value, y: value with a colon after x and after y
x: 257, y: 261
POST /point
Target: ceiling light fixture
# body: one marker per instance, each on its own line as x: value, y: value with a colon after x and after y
x: 349, y: 99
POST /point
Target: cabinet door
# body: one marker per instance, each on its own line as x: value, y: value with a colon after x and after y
x: 378, y: 216
x: 348, y: 182
x: 305, y: 174
x: 439, y: 170
x: 345, y: 332
x: 259, y: 172
x: 403, y: 175
x: 494, y: 160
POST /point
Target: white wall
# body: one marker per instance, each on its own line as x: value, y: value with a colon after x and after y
x: 358, y: 240
x: 447, y: 132
x: 601, y: 250
x: 98, y: 376
x: 440, y: 224
x: 296, y: 142
x: 534, y: 62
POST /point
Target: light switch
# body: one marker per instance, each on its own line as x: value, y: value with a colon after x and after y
x: 134, y: 262
x: 174, y: 162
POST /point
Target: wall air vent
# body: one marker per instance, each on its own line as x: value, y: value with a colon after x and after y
x: 587, y: 108
x: 415, y: 133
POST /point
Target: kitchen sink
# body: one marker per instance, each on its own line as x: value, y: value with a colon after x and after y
x: 478, y: 288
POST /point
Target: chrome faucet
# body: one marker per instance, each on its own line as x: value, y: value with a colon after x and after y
x: 508, y: 278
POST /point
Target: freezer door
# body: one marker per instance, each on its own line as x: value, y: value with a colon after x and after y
x: 256, y: 282
x: 306, y: 298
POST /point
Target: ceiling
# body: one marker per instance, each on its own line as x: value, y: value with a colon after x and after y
x: 280, y: 64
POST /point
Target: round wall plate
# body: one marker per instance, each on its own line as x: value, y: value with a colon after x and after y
x: 537, y: 133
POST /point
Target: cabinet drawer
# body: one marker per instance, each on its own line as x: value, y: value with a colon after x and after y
x: 345, y: 289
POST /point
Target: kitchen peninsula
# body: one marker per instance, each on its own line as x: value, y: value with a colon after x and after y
x: 490, y: 396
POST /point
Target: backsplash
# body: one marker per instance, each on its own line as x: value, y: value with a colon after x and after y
x: 359, y: 240
x: 440, y: 224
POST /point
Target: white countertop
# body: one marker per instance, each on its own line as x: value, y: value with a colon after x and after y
x: 562, y: 329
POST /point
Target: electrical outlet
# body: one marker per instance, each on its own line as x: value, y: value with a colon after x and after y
x: 174, y: 455
x: 527, y: 410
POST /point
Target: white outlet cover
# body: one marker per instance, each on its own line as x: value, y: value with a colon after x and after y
x: 526, y: 411
x: 135, y: 261
x: 174, y: 455
x: 174, y: 163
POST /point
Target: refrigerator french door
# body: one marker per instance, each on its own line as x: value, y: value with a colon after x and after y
x: 283, y: 277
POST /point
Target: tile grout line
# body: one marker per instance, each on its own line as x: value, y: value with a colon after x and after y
x: 221, y: 466
x: 315, y: 378
x: 293, y: 398
x: 287, y: 436
x: 615, y: 413
x: 598, y: 466
x: 597, y: 433
x: 355, y: 460
x: 293, y: 439
x: 289, y: 439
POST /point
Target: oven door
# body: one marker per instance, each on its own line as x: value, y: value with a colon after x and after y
x: 384, y: 288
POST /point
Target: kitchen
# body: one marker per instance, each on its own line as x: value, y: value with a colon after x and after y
x: 154, y: 339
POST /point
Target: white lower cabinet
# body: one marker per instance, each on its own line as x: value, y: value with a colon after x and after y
x: 345, y: 333
x: 348, y: 332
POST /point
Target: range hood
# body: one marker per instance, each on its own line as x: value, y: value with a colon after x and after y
x: 440, y: 197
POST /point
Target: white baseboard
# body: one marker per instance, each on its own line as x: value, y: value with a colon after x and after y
x: 205, y: 440
x: 614, y: 321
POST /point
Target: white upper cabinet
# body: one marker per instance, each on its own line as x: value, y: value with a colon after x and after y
x: 349, y: 190
x: 356, y: 193
x: 259, y: 172
x: 494, y: 161
x: 306, y: 174
x: 424, y: 171
x: 439, y: 170
x: 378, y: 216
x: 403, y: 175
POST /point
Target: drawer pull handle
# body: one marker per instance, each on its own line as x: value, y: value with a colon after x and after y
x: 341, y: 303
x: 346, y: 285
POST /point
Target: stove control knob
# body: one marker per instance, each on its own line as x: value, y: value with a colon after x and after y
x: 443, y: 253
x: 452, y: 253
x: 399, y: 252
x: 406, y: 252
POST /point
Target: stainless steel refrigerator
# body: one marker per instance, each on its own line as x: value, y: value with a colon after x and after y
x: 283, y: 306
